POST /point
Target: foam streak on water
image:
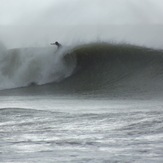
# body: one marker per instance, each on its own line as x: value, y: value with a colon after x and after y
x: 82, y: 131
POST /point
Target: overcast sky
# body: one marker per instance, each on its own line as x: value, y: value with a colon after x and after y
x: 77, y: 12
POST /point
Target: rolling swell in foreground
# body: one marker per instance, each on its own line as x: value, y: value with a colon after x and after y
x: 108, y: 70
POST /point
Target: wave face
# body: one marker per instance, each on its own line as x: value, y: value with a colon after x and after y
x: 120, y: 69
x: 96, y: 69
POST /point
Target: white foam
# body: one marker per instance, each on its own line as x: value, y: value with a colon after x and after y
x: 20, y: 67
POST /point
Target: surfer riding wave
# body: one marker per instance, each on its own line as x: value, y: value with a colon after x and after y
x: 59, y: 46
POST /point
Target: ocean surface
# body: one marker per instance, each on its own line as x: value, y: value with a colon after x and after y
x: 96, y: 102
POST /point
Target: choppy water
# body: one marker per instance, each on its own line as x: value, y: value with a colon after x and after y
x: 79, y: 130
x: 97, y: 102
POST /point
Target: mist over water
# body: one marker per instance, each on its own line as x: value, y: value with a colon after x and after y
x: 24, y: 36
x: 135, y: 22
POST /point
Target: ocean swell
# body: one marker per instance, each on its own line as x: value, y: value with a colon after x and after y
x: 101, y: 69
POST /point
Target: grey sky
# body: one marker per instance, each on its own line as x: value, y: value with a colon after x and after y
x: 38, y: 22
x: 77, y: 12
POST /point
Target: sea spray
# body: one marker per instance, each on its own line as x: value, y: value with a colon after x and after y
x: 35, y: 65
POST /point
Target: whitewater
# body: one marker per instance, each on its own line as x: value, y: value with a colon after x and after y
x: 36, y: 65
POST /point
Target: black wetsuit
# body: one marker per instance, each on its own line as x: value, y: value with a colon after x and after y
x: 58, y: 45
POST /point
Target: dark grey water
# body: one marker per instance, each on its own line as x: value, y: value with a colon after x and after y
x: 68, y: 129
x: 104, y: 105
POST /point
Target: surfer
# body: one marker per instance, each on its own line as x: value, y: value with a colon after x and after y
x: 57, y: 44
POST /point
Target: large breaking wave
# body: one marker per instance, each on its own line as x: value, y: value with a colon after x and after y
x: 96, y: 68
